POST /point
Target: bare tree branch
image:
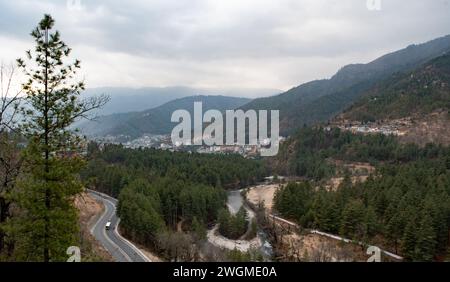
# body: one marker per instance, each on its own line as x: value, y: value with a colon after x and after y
x: 9, y: 99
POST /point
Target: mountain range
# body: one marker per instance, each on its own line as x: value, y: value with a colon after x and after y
x: 416, y: 93
x: 157, y: 120
x: 125, y: 100
x: 313, y: 102
x: 321, y: 100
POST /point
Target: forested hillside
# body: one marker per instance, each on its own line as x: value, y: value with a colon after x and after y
x: 404, y: 208
x: 404, y: 205
x: 308, y: 152
x: 416, y: 93
x: 320, y: 100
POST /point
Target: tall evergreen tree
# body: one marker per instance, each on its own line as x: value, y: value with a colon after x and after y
x: 370, y: 222
x: 426, y: 241
x: 409, y: 241
x: 49, y: 222
x: 393, y: 232
x: 352, y: 222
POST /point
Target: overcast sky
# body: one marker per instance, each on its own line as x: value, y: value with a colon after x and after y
x: 222, y: 43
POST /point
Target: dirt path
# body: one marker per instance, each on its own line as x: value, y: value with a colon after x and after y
x: 242, y: 245
x: 262, y: 194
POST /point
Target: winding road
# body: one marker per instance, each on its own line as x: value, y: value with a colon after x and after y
x: 120, y: 248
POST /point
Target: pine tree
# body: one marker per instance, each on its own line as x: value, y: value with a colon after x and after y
x: 352, y: 222
x: 394, y: 231
x: 370, y: 222
x: 199, y: 229
x: 49, y: 222
x: 224, y: 219
x: 325, y: 208
x: 409, y: 241
x: 426, y: 241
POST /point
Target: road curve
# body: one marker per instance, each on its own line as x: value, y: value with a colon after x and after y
x: 120, y: 248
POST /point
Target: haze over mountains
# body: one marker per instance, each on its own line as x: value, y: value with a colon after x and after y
x: 309, y: 103
x: 156, y: 120
x: 125, y: 100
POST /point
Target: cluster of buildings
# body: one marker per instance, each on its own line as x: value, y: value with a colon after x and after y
x: 111, y: 139
x: 245, y: 150
x: 393, y: 127
x: 145, y: 141
x: 148, y: 141
x: 164, y: 142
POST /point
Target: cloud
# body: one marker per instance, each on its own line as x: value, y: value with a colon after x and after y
x: 223, y: 43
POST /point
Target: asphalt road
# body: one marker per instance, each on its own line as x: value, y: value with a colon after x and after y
x: 120, y: 248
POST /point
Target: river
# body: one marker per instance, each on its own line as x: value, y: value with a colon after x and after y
x: 235, y: 201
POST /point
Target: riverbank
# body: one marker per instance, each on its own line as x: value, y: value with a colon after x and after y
x: 259, y: 243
